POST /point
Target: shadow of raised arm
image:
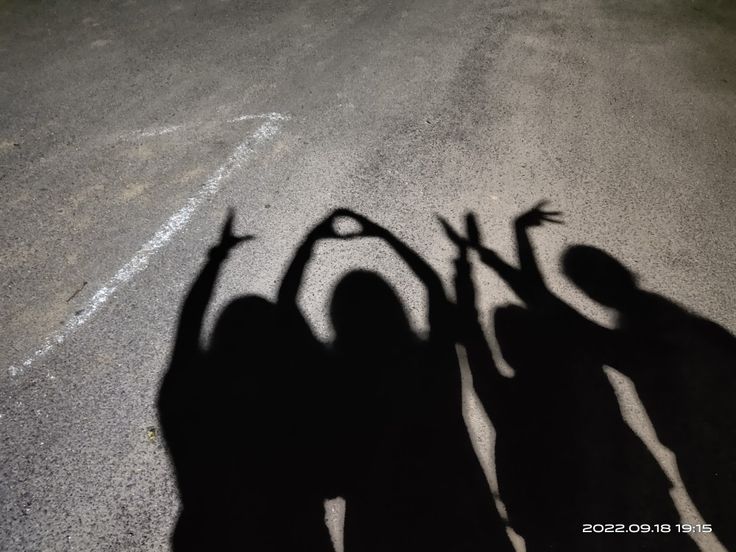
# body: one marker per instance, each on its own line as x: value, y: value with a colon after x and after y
x: 189, y: 330
x: 526, y: 280
x: 487, y: 381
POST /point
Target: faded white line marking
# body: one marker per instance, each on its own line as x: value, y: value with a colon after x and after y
x: 170, y: 129
x: 270, y: 116
x: 159, y: 131
x: 163, y: 235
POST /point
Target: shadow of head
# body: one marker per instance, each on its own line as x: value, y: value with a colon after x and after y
x: 367, y: 313
x: 600, y: 276
x: 245, y: 326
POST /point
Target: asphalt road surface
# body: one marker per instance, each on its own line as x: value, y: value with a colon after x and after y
x: 128, y: 128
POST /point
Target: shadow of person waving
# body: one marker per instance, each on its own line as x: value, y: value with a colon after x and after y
x: 564, y: 456
x: 684, y: 370
x: 240, y: 422
x: 411, y: 480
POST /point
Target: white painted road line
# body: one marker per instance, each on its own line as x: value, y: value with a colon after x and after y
x: 158, y: 131
x: 170, y: 129
x: 240, y: 155
x: 270, y: 116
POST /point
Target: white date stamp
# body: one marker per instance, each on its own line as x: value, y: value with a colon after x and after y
x: 647, y: 528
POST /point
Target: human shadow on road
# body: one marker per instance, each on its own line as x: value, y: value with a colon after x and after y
x: 564, y: 456
x: 412, y: 481
x: 267, y: 422
x: 240, y: 418
x: 684, y: 370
